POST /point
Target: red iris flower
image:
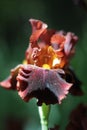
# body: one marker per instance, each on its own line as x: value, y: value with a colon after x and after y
x: 47, y: 58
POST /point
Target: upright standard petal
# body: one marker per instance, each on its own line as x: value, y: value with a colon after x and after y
x: 38, y: 27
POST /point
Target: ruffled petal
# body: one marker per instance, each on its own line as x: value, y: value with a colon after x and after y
x: 38, y: 27
x: 46, y: 85
x: 10, y: 82
x: 57, y: 85
x: 46, y: 36
x: 57, y: 38
x: 71, y: 77
x: 69, y: 44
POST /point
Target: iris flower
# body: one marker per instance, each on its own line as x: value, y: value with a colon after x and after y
x: 45, y: 70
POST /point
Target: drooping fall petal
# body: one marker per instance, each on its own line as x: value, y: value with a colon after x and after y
x: 46, y: 85
x: 72, y: 78
x: 10, y: 82
x: 57, y: 85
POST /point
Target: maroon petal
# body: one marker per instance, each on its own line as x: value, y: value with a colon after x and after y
x: 35, y: 37
x: 6, y: 83
x: 10, y: 82
x: 46, y: 85
x: 57, y: 38
x: 70, y: 41
x: 38, y: 27
x: 57, y: 85
x: 72, y: 78
x: 46, y: 36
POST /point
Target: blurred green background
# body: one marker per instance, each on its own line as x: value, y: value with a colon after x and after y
x: 15, y: 30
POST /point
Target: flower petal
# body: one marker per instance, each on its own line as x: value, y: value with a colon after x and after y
x: 57, y: 85
x: 46, y: 85
x: 70, y: 41
x: 57, y: 38
x: 38, y: 27
x: 46, y: 36
x: 6, y: 83
x: 72, y: 78
x: 10, y: 82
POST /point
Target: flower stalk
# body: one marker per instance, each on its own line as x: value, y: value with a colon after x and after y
x: 44, y: 111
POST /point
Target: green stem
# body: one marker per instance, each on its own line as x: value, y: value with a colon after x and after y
x: 44, y: 125
x: 44, y: 111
